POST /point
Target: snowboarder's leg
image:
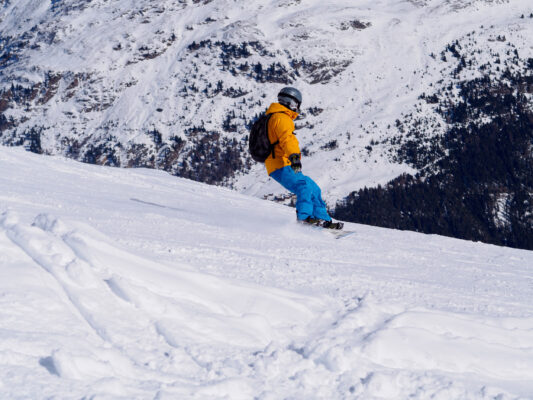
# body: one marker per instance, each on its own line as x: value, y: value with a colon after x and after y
x: 319, y: 206
x: 300, y: 186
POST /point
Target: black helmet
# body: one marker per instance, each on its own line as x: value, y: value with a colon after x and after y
x: 291, y: 98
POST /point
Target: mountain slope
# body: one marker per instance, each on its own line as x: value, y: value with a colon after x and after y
x: 173, y: 85
x: 135, y: 284
x: 474, y: 179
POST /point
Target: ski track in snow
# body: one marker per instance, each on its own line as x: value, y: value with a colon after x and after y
x: 121, y: 284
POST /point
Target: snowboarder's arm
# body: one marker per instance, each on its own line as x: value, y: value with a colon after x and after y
x: 287, y: 140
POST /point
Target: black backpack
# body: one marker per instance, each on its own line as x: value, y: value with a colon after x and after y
x: 258, y: 142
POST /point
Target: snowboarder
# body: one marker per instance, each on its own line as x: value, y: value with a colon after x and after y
x: 284, y: 164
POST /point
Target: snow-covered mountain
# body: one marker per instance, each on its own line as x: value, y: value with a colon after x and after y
x: 173, y: 84
x: 134, y: 284
x: 390, y: 87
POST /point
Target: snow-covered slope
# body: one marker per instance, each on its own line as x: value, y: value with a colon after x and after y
x: 171, y: 84
x: 123, y: 283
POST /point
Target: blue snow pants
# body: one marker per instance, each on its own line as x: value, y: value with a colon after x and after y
x: 309, y: 201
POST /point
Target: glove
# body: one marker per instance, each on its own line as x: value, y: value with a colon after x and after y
x: 296, y: 164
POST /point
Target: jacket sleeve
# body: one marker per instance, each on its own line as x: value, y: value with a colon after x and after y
x: 284, y: 128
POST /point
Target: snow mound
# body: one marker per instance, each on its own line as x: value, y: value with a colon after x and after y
x: 135, y: 308
x: 94, y: 274
x: 428, y: 340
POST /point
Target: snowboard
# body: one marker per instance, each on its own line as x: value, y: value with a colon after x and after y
x: 337, y: 233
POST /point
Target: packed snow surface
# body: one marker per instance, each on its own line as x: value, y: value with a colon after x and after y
x: 132, y: 284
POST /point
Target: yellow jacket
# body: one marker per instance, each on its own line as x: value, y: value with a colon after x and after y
x: 281, y: 127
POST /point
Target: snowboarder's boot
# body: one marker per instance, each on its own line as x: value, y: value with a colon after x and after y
x: 310, y: 221
x: 322, y: 223
x: 332, y: 225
